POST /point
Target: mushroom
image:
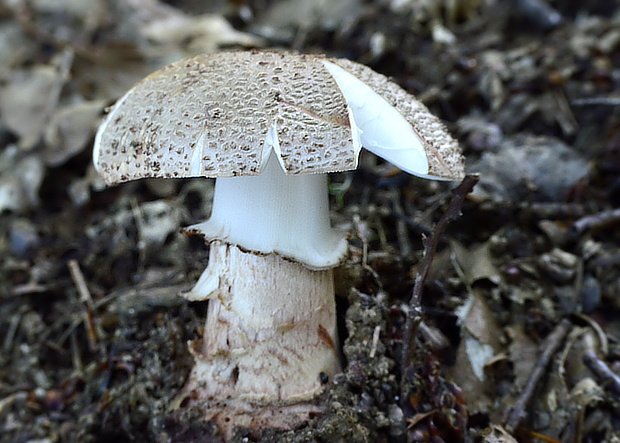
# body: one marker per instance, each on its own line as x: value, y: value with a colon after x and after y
x: 269, y: 126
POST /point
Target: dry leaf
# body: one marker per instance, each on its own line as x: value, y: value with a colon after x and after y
x: 20, y: 179
x: 522, y: 353
x: 497, y: 434
x: 526, y: 167
x: 28, y: 100
x: 15, y: 48
x: 479, y: 344
x: 285, y: 18
x: 157, y: 220
x: 70, y: 130
x: 205, y: 33
x: 475, y: 263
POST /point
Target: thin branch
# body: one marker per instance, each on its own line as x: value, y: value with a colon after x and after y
x: 596, y: 221
x: 414, y: 311
x: 609, y: 379
x: 80, y: 283
x: 375, y: 341
x: 87, y: 303
x: 515, y: 414
x: 610, y: 101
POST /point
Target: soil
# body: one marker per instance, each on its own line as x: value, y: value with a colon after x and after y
x: 517, y: 337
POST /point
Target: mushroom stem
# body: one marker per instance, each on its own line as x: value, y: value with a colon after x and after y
x: 269, y: 342
x: 270, y: 339
x: 275, y: 212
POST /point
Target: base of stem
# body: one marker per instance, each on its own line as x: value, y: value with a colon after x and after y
x: 269, y: 343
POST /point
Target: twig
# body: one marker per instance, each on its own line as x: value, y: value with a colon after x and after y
x: 31, y: 289
x: 414, y: 311
x: 603, y: 340
x: 12, y: 330
x: 577, y: 286
x: 554, y: 210
x: 609, y: 378
x: 375, y: 341
x: 515, y: 414
x: 596, y: 221
x: 610, y: 101
x: 401, y: 226
x: 80, y: 283
x: 87, y: 303
x: 75, y: 353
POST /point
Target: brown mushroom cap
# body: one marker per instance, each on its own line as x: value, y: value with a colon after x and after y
x: 210, y: 116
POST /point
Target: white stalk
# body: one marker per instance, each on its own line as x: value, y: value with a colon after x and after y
x: 275, y: 212
x: 270, y: 340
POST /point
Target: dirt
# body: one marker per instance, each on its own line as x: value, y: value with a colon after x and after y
x: 518, y: 335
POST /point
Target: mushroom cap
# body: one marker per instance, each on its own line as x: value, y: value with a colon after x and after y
x: 221, y: 114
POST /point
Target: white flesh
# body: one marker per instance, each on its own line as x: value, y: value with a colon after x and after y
x: 275, y: 212
x: 384, y: 131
